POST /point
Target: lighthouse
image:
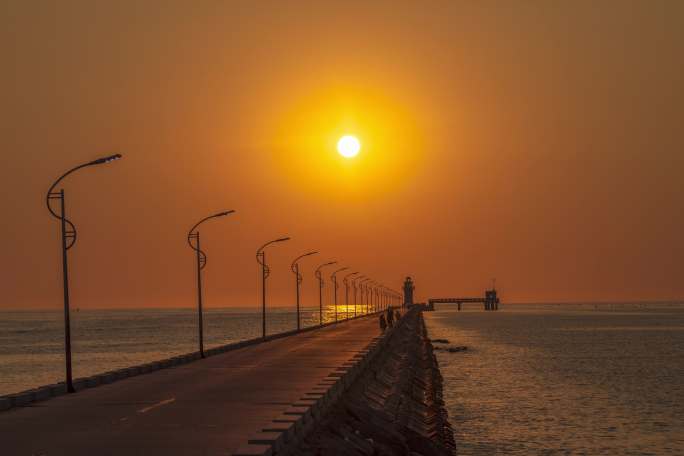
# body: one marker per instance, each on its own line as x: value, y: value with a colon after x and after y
x: 408, y: 292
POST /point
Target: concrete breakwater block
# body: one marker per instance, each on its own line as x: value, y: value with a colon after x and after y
x: 337, y: 374
x: 275, y: 439
x: 289, y: 430
x: 297, y: 411
x: 297, y: 421
x: 315, y: 395
x: 305, y: 403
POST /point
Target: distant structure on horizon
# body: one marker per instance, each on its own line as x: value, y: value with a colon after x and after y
x: 490, y: 301
x: 408, y: 292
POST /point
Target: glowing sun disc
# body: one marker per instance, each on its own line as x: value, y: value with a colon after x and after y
x: 348, y: 146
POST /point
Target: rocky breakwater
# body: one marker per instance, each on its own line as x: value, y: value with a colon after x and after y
x: 394, y: 407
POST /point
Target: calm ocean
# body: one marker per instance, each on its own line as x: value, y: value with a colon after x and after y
x: 32, y: 342
x: 568, y: 379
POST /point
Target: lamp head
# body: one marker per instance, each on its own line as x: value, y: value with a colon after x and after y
x: 223, y: 214
x: 282, y: 239
x: 108, y: 159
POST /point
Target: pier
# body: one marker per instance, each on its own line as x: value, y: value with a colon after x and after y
x: 490, y: 301
x: 351, y: 385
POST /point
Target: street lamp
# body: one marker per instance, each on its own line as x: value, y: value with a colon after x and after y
x: 265, y: 271
x: 381, y: 297
x: 346, y: 292
x: 68, y: 240
x: 298, y: 279
x: 353, y: 281
x: 364, y: 291
x: 369, y: 296
x: 319, y: 276
x: 378, y: 304
x: 201, y: 260
x: 333, y: 276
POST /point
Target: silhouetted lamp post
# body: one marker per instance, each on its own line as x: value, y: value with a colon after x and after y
x: 319, y: 276
x: 345, y: 280
x: 68, y: 240
x: 381, y: 297
x: 201, y: 260
x: 356, y: 301
x: 369, y: 296
x: 298, y: 279
x: 333, y: 276
x: 364, y: 292
x: 378, y: 303
x: 265, y: 271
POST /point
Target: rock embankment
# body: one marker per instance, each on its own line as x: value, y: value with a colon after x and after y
x: 394, y: 408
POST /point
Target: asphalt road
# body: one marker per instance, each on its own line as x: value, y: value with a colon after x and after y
x: 207, y: 407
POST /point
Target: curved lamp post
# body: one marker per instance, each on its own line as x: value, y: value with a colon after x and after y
x: 298, y: 279
x: 345, y: 280
x: 319, y: 276
x: 356, y: 301
x: 369, y: 296
x: 333, y: 276
x: 68, y: 240
x: 388, y: 297
x: 380, y: 297
x: 378, y: 304
x: 265, y: 272
x: 385, y: 292
x: 364, y: 291
x: 201, y: 260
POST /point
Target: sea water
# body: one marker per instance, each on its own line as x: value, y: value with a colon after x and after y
x: 564, y: 379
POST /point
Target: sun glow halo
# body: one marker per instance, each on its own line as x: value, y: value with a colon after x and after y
x: 348, y: 146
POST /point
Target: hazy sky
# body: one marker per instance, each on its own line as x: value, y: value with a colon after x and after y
x: 538, y: 142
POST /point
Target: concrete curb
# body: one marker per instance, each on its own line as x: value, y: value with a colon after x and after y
x: 42, y: 393
x: 305, y: 414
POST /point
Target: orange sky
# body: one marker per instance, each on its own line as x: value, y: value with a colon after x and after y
x: 537, y: 142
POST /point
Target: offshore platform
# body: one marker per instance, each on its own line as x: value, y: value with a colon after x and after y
x: 490, y: 300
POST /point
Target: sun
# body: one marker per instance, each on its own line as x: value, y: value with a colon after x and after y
x: 348, y: 146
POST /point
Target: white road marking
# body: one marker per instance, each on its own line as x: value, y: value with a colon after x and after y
x: 158, y: 404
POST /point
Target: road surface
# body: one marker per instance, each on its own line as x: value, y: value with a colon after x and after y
x: 206, y: 407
